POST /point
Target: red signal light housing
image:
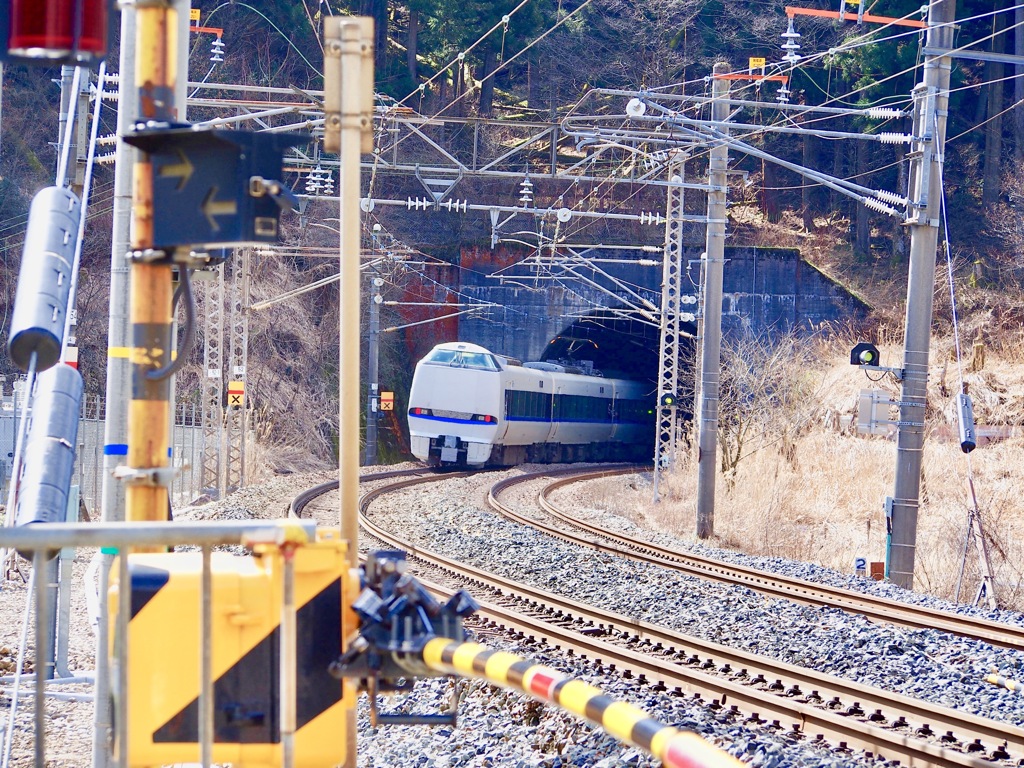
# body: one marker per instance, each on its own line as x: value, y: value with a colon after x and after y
x: 51, y: 32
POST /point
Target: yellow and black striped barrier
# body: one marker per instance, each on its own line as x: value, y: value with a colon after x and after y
x: 1004, y: 682
x: 674, y: 747
x: 246, y: 637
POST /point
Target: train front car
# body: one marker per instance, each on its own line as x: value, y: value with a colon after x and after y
x: 455, y: 405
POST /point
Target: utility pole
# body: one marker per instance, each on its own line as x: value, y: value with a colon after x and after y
x: 373, y: 395
x: 668, y: 368
x: 711, y: 330
x: 931, y: 100
x: 211, y: 480
x: 236, y: 416
x: 348, y: 130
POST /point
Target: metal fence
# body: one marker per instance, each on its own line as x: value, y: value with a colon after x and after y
x: 186, y: 448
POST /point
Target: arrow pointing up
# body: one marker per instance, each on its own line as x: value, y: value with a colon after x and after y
x: 212, y: 207
x: 182, y: 170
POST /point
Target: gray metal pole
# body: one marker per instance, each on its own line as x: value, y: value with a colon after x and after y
x: 711, y: 338
x: 115, y: 428
x: 373, y: 394
x: 932, y: 99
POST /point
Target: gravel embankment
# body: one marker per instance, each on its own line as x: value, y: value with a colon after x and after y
x: 931, y: 665
x: 498, y: 728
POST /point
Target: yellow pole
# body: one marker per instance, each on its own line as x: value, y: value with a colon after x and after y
x: 146, y: 493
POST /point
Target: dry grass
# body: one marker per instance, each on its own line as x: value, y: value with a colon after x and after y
x: 823, y: 502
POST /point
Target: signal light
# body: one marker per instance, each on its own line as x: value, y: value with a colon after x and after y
x: 864, y: 354
x: 668, y: 400
x: 50, y: 32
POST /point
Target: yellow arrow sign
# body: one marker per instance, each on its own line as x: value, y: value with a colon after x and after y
x: 212, y: 207
x: 182, y: 171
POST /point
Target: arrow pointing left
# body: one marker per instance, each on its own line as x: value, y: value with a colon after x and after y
x: 212, y: 207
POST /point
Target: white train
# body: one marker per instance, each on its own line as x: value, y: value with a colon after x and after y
x: 469, y: 407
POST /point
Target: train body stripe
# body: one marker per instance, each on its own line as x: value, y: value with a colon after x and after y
x: 453, y: 421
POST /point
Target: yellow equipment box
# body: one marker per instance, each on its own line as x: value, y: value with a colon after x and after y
x: 164, y: 653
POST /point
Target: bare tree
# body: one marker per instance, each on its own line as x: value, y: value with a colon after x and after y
x: 766, y: 396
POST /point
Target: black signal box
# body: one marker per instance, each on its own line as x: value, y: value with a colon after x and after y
x: 864, y: 354
x: 213, y: 187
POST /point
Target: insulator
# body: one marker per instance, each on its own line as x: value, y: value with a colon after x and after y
x: 44, y: 282
x: 965, y: 421
x: 883, y: 113
x: 50, y: 449
x: 217, y: 50
x: 878, y: 205
x: 892, y: 137
x: 783, y: 95
x: 890, y: 197
x: 790, y: 33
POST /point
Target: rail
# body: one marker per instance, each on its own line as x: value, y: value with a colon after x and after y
x: 675, y: 660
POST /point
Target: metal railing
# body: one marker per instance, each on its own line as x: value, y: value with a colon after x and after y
x: 186, y: 449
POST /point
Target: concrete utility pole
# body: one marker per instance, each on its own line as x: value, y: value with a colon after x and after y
x: 931, y: 100
x: 711, y: 332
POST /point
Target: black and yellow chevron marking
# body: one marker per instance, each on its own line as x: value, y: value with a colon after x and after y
x: 675, y: 748
x: 164, y: 656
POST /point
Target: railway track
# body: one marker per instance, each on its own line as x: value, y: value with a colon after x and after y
x: 739, y: 685
x: 775, y: 585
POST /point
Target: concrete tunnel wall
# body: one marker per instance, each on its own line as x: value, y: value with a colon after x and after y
x: 764, y: 291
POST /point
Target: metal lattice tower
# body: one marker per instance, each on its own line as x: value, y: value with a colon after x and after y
x: 668, y: 367
x: 236, y: 418
x: 213, y: 385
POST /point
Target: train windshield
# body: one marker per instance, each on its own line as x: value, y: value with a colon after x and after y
x: 456, y: 358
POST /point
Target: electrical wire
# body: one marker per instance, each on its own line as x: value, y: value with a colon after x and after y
x: 188, y: 331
